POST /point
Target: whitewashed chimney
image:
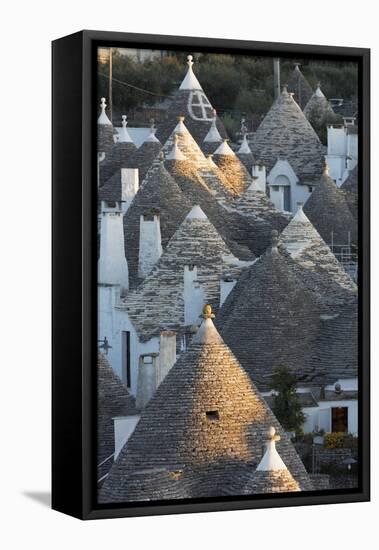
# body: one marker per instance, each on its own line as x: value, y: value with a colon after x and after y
x: 129, y: 186
x: 227, y: 284
x: 167, y: 354
x: 150, y: 243
x: 147, y: 379
x: 112, y: 264
x: 194, y: 298
x: 259, y: 172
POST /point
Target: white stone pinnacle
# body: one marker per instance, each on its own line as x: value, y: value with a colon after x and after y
x: 244, y: 149
x: 175, y: 153
x: 318, y: 92
x: 190, y: 81
x: 271, y: 460
x: 103, y: 119
x: 151, y: 137
x: 213, y: 135
x: 300, y: 216
x: 124, y: 136
x: 196, y: 214
x: 224, y: 149
x: 180, y: 127
x: 207, y: 334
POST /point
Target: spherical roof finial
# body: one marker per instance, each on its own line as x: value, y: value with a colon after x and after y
x: 124, y: 121
x: 207, y: 312
x: 103, y: 104
x: 189, y: 61
x: 271, y: 434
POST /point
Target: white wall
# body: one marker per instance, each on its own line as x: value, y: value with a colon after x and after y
x: 320, y: 417
x: 193, y: 295
x: 129, y: 186
x: 150, y: 244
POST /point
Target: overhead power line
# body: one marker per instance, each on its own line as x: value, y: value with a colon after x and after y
x: 134, y: 87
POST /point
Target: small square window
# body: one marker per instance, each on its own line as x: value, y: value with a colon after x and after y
x: 212, y: 416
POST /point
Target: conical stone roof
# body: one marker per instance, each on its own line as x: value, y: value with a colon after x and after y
x: 113, y: 399
x: 233, y: 228
x: 191, y: 102
x: 299, y: 86
x: 214, y: 178
x: 322, y: 270
x: 159, y: 192
x: 209, y: 440
x: 234, y: 170
x: 287, y: 324
x: 146, y: 153
x: 281, y: 319
x: 245, y: 155
x: 318, y: 109
x: 213, y: 138
x: 329, y: 212
x: 105, y: 139
x: 272, y: 475
x: 121, y: 155
x: 350, y: 188
x: 258, y: 209
x: 286, y: 133
x: 158, y: 303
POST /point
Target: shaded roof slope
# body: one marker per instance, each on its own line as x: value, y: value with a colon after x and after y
x: 299, y: 86
x: 146, y: 153
x: 159, y: 192
x: 322, y: 271
x: 121, y: 155
x: 329, y: 212
x: 350, y: 188
x: 262, y: 216
x: 318, y: 109
x: 113, y: 399
x: 209, y: 439
x: 282, y: 323
x: 285, y: 324
x: 286, y: 133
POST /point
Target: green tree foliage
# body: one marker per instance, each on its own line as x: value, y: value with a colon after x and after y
x: 286, y: 404
x: 237, y: 85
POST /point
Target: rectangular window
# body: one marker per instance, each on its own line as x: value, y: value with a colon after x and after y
x: 212, y: 416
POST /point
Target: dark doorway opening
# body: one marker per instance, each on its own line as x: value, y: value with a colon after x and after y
x: 287, y: 198
x: 339, y: 419
x: 126, y: 358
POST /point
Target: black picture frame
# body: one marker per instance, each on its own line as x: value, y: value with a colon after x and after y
x: 74, y: 318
